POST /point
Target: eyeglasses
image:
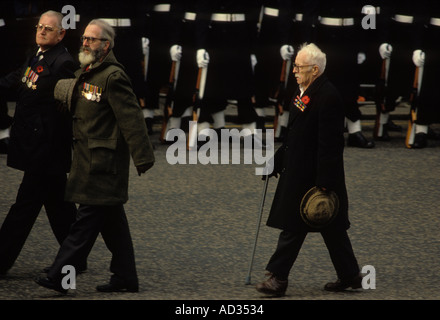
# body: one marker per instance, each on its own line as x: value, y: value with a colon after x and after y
x: 299, y: 67
x: 91, y: 40
x: 40, y: 27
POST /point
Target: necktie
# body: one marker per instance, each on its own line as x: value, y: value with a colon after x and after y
x: 36, y: 58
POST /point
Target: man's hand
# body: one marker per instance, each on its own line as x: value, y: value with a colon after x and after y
x: 202, y: 58
x: 143, y: 168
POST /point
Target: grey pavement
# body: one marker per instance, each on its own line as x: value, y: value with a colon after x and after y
x: 193, y: 228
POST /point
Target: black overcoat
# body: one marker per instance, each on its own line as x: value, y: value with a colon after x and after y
x: 41, y: 134
x: 311, y: 155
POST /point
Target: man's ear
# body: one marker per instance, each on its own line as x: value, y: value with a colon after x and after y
x: 61, y: 34
x: 107, y: 46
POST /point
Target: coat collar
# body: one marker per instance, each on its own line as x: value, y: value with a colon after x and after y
x: 310, y: 93
x: 51, y: 54
x: 314, y: 87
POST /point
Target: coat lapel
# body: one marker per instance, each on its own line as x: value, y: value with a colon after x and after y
x: 310, y: 92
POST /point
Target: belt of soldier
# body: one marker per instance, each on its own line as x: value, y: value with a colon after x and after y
x: 403, y: 18
x: 118, y: 22
x: 164, y: 7
x: 271, y: 12
x: 2, y: 23
x: 336, y: 22
x: 435, y: 22
x: 190, y: 16
x: 228, y: 17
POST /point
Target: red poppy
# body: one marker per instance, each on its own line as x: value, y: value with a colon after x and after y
x: 40, y: 69
x: 305, y: 99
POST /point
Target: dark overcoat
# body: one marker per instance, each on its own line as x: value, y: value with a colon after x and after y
x: 108, y: 127
x: 311, y: 155
x: 41, y: 135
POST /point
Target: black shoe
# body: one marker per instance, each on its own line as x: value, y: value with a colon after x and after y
x: 50, y: 284
x: 358, y: 140
x: 4, y: 145
x: 420, y: 140
x: 384, y: 137
x: 117, y: 287
x: 341, y: 285
x: 432, y: 135
x: 260, y: 123
x: 391, y: 126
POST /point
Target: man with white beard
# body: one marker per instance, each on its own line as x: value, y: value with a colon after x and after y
x: 108, y: 128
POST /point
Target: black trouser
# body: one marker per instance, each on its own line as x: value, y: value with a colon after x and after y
x: 340, y: 46
x: 112, y: 222
x: 36, y: 190
x: 428, y: 106
x: 338, y: 245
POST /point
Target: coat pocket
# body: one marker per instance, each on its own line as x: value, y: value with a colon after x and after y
x: 102, y: 155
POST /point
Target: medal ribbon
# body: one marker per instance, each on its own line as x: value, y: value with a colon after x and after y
x: 91, y: 89
x: 299, y: 104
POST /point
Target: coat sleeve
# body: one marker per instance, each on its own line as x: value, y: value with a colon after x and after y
x: 129, y: 118
x: 330, y: 142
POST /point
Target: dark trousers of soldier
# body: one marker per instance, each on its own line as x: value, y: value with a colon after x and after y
x: 229, y: 72
x: 159, y: 60
x: 429, y: 106
x: 112, y: 223
x: 159, y: 68
x: 36, y: 190
x: 370, y: 69
x: 338, y: 245
x: 339, y: 45
x: 402, y: 69
x: 267, y: 76
x: 269, y: 64
x: 187, y: 77
x: 128, y: 50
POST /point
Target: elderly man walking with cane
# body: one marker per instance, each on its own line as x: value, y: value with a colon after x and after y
x: 311, y: 195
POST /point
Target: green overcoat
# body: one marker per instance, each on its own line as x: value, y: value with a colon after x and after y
x: 108, y: 127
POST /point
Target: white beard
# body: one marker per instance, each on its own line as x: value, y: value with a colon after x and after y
x: 86, y: 58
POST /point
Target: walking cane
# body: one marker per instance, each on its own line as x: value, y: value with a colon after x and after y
x: 266, y: 182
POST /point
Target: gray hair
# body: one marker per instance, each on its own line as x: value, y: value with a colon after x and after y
x: 107, y: 31
x: 58, y: 15
x: 314, y: 55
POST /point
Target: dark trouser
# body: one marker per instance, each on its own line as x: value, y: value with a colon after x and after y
x: 338, y: 245
x: 112, y: 222
x: 340, y: 46
x: 36, y: 190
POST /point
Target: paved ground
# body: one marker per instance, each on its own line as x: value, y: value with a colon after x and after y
x: 193, y: 228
